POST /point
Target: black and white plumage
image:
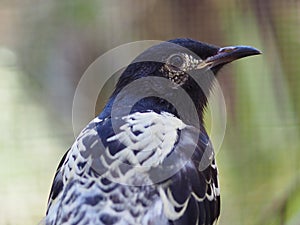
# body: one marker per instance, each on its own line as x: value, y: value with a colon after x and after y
x: 153, y: 165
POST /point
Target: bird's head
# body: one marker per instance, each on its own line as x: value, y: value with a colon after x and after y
x: 185, y: 63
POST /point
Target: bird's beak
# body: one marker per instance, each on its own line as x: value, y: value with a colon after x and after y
x: 227, y: 55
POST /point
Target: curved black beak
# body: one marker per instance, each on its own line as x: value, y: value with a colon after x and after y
x: 229, y: 54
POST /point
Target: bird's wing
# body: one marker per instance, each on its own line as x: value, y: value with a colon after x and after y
x: 67, y: 170
x: 57, y: 184
x: 98, y: 156
x: 193, y: 196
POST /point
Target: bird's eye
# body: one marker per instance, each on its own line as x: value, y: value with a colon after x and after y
x: 176, y: 60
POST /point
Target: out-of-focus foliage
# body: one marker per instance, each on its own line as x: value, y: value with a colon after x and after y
x: 45, y: 47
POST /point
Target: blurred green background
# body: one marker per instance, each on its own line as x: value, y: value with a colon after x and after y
x: 45, y: 47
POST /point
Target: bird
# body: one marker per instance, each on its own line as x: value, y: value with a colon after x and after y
x: 147, y: 158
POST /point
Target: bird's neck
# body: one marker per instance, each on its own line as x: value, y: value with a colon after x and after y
x: 128, y: 105
x: 122, y: 107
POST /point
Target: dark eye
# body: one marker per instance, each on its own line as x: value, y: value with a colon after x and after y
x: 176, y: 60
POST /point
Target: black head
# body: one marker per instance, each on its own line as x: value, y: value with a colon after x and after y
x: 185, y: 64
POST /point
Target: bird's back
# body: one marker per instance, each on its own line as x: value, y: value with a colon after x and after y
x: 117, y: 178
